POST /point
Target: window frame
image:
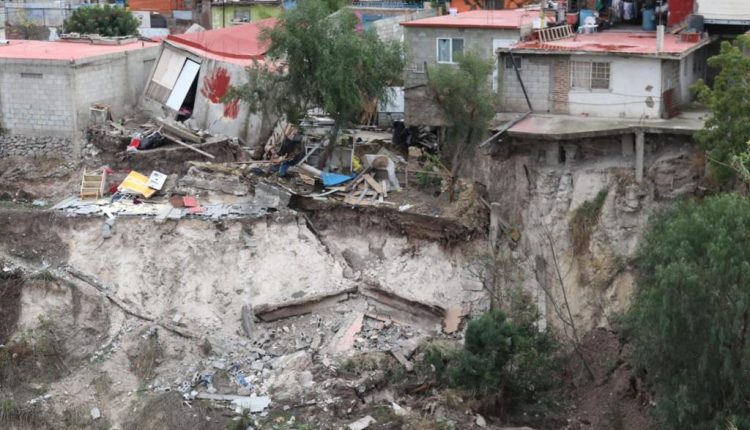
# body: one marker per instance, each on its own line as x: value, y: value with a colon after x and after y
x: 450, y: 48
x: 594, y: 71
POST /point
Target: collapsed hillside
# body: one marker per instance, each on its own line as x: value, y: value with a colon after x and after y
x: 326, y: 309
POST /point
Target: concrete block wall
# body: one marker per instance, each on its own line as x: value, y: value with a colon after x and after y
x: 535, y: 73
x: 36, y: 97
x: 391, y: 30
x: 421, y: 49
x: 116, y: 80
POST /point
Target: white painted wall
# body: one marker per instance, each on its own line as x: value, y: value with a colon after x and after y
x: 633, y: 82
x: 724, y: 10
x: 692, y: 68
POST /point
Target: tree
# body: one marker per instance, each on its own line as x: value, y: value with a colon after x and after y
x: 328, y: 65
x: 104, y: 20
x: 691, y: 313
x: 468, y: 103
x: 507, y: 362
x: 727, y: 131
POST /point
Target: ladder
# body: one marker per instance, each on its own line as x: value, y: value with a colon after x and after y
x: 551, y: 34
x: 92, y: 184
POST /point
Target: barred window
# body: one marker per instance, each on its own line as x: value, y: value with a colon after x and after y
x: 588, y: 75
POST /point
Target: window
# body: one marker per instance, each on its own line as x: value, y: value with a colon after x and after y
x: 509, y: 63
x: 587, y: 75
x: 447, y: 49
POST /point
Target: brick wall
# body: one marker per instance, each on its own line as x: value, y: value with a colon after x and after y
x: 560, y: 84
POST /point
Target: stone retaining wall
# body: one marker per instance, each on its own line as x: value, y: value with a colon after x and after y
x: 30, y: 146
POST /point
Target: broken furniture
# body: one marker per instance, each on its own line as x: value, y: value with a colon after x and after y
x: 93, y: 184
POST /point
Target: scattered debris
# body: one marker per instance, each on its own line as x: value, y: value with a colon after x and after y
x: 362, y: 423
x: 95, y: 413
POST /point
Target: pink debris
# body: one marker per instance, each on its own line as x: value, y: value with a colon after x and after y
x: 347, y: 340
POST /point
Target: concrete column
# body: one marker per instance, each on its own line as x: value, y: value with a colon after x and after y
x: 640, y: 140
x: 627, y: 145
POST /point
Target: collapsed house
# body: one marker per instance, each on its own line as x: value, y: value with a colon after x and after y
x: 47, y: 88
x: 195, y: 71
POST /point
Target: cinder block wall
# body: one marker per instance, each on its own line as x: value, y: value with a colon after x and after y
x: 36, y: 97
x: 115, y: 80
x: 390, y: 29
x: 535, y: 72
x: 421, y: 49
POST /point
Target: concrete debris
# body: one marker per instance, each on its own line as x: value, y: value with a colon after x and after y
x: 398, y: 410
x: 95, y: 413
x: 406, y: 310
x: 362, y: 423
x: 306, y: 305
x: 39, y: 399
x: 39, y: 203
x: 403, y: 360
x: 248, y: 320
x: 344, y: 339
x: 252, y: 403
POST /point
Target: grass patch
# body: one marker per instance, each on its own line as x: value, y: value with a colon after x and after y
x: 365, y: 362
x: 40, y: 359
x: 17, y: 416
x: 167, y: 411
x: 584, y: 219
x: 44, y: 276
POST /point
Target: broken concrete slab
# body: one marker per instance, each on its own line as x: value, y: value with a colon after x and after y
x: 344, y: 339
x: 305, y: 305
x: 452, y: 321
x: 253, y: 403
x: 362, y: 423
x: 412, y: 312
x: 271, y: 196
x: 408, y: 365
x: 248, y: 320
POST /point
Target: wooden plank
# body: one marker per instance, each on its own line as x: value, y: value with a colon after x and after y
x: 373, y: 183
x: 179, y: 142
x: 179, y: 130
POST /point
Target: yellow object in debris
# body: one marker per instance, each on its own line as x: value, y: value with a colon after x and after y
x: 135, y: 183
x: 356, y: 164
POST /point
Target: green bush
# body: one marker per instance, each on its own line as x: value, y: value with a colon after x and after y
x: 511, y: 362
x: 104, y: 20
x: 691, y: 314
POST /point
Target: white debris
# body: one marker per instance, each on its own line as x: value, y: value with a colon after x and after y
x: 398, y: 410
x: 95, y: 413
x: 253, y: 403
x: 481, y: 422
x: 362, y: 423
x: 177, y: 318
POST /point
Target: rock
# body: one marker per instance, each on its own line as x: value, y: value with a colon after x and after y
x: 95, y: 413
x: 257, y: 366
x: 481, y: 422
x: 361, y: 423
x: 299, y: 360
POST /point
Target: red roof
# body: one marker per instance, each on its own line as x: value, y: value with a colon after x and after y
x: 63, y: 51
x: 633, y: 43
x: 489, y: 19
x: 240, y: 42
